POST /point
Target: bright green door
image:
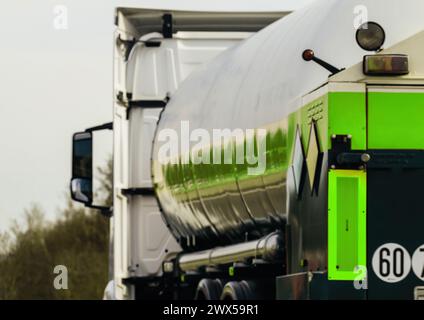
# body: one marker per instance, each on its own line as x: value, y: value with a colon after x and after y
x: 395, y: 118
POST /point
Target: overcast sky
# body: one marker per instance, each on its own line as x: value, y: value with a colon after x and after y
x: 55, y: 82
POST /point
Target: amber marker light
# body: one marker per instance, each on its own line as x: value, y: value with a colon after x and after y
x: 386, y: 64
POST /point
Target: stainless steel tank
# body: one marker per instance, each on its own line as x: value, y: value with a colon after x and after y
x: 258, y: 84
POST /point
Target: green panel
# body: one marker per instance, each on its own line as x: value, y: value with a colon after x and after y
x: 395, y: 120
x: 347, y: 115
x: 346, y: 223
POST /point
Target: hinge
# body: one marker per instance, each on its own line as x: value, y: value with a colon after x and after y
x: 123, y: 100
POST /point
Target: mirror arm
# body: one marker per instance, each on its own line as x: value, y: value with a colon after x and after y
x: 105, y: 126
x: 104, y: 211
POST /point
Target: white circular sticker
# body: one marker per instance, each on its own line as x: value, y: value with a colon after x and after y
x: 391, y: 262
x: 418, y: 262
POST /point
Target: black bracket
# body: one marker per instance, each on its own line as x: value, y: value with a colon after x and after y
x: 127, y: 44
x: 396, y: 159
x: 152, y: 43
x: 138, y: 192
x: 341, y: 143
x: 148, y: 104
x: 167, y: 29
x: 341, y: 155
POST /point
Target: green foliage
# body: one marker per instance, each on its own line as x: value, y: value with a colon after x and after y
x: 79, y: 240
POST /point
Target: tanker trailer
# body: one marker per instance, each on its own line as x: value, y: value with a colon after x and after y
x: 276, y: 165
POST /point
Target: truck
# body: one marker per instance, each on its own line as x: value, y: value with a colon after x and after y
x: 265, y: 155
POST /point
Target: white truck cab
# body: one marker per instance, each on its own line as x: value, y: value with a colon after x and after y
x: 155, y: 51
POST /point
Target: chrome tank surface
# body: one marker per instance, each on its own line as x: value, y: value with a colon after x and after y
x: 257, y: 85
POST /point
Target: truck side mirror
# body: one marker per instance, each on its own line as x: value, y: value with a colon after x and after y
x: 82, y: 167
